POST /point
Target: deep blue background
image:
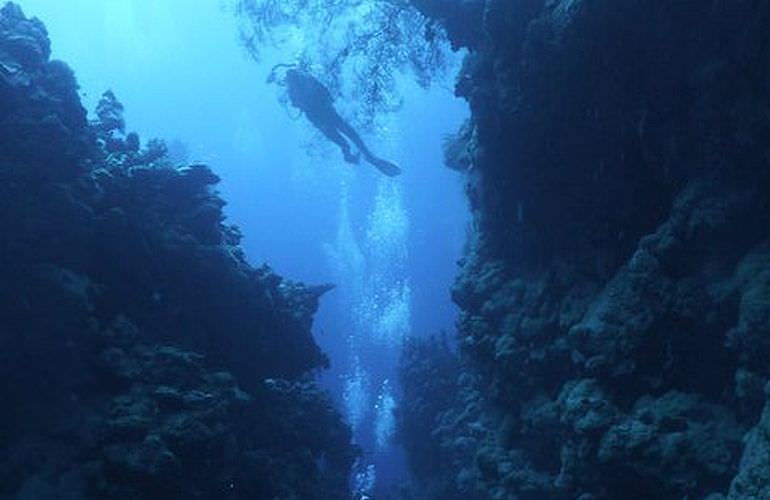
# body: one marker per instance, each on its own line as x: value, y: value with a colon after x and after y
x: 180, y: 72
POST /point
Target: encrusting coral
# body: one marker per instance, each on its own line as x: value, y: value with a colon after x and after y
x: 614, y: 293
x: 141, y: 355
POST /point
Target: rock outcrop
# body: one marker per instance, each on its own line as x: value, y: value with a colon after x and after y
x: 615, y: 293
x: 141, y: 356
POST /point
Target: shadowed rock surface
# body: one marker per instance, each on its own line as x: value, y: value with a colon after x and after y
x: 141, y: 356
x: 615, y: 291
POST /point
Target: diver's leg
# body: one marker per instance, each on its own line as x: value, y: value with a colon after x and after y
x: 384, y: 166
x: 333, y: 135
x: 351, y: 133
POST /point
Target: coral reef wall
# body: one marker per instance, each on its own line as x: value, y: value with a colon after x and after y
x: 615, y: 329
x: 141, y: 357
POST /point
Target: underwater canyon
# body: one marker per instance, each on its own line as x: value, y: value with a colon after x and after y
x: 613, y: 333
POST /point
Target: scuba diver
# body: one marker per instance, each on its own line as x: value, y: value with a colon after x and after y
x: 312, y: 98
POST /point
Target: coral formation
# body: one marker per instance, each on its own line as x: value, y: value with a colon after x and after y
x: 141, y: 355
x: 615, y: 294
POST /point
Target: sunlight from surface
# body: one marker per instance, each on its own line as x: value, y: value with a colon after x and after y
x: 180, y: 72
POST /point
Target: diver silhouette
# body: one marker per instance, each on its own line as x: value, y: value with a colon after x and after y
x: 312, y: 98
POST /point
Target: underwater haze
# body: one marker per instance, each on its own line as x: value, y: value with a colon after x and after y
x: 384, y: 249
x: 389, y: 245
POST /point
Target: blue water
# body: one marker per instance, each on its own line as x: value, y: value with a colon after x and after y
x: 390, y: 245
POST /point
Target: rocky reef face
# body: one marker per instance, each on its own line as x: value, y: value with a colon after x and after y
x: 141, y: 356
x: 615, y: 329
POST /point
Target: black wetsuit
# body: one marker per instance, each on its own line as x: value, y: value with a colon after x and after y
x: 314, y: 99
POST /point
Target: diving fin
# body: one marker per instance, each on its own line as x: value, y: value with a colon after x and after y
x: 384, y: 166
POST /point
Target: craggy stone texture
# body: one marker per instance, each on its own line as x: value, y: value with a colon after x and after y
x: 141, y: 357
x: 615, y: 292
x: 753, y: 480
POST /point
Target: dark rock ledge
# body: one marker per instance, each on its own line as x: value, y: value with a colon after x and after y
x: 614, y: 340
x: 141, y: 357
